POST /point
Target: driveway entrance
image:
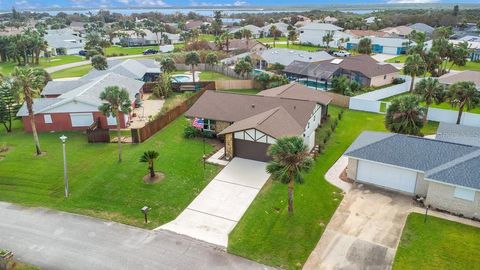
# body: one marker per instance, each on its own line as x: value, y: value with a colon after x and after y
x: 364, y: 231
x: 217, y: 209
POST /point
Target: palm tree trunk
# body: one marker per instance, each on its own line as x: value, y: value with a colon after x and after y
x: 426, y: 113
x: 118, y: 138
x: 193, y: 73
x: 34, y: 130
x: 290, y: 195
x: 411, y: 83
x: 460, y: 112
x: 152, y: 171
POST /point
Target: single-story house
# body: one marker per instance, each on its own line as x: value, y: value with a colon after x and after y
x: 240, y: 45
x: 399, y: 31
x: 130, y: 38
x: 458, y: 134
x: 286, y: 56
x: 466, y: 75
x: 256, y: 31
x: 77, y: 108
x: 313, y: 33
x: 446, y: 174
x: 423, y: 28
x: 63, y: 41
x: 473, y: 45
x: 195, y: 24
x: 146, y: 70
x: 251, y: 123
x: 386, y: 45
x: 282, y: 27
x: 330, y: 19
x: 370, y: 20
x: 361, y: 68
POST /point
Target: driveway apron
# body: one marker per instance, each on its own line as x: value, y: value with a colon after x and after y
x: 217, y: 209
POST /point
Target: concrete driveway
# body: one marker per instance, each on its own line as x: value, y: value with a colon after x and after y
x: 364, y: 232
x: 217, y: 209
x: 57, y: 240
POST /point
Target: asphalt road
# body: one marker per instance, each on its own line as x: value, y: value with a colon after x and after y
x: 87, y: 62
x: 58, y: 240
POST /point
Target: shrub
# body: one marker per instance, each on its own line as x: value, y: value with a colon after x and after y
x: 190, y: 132
x: 3, y: 147
x: 398, y: 80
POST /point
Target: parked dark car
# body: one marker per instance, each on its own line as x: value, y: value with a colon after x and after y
x: 150, y: 51
x: 82, y: 53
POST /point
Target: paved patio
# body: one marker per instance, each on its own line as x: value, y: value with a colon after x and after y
x: 150, y: 108
x: 217, y: 209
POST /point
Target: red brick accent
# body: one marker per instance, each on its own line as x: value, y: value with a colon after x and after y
x: 62, y: 122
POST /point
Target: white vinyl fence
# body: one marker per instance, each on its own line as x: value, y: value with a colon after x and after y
x: 450, y: 116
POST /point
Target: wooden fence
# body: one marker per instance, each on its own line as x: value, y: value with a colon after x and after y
x: 338, y: 100
x: 96, y: 134
x: 208, y: 85
x: 233, y: 84
x: 141, y: 134
x: 223, y: 69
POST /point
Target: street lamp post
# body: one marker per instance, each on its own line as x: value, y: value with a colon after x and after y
x: 63, y: 138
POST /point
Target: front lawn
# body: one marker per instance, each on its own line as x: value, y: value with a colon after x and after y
x: 300, y: 47
x: 268, y: 234
x: 72, y: 72
x: 118, y: 50
x: 438, y: 244
x: 99, y: 185
x: 207, y: 37
x: 208, y: 75
x: 270, y: 39
x: 7, y: 67
x: 468, y: 66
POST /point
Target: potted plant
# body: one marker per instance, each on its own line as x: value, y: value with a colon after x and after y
x: 6, y: 259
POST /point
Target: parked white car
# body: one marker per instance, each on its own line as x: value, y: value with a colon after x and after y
x: 341, y: 53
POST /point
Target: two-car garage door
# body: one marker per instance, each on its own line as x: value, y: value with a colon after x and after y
x: 386, y: 176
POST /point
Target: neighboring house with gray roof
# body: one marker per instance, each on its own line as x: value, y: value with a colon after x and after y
x: 282, y: 27
x: 313, y: 33
x: 251, y: 123
x: 386, y: 45
x: 458, y: 134
x: 285, y: 57
x: 422, y: 27
x: 445, y: 173
x: 64, y: 41
x: 77, y: 108
x: 466, y: 75
x: 256, y: 31
x: 146, y: 70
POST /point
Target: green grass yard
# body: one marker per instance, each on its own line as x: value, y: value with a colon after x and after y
x: 208, y: 75
x: 118, y: 50
x: 270, y: 39
x: 438, y: 244
x: 300, y: 47
x: 7, y: 67
x: 469, y: 66
x: 72, y: 72
x: 99, y: 185
x: 207, y: 37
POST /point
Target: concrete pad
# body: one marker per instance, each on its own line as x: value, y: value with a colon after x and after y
x: 364, y: 232
x: 333, y: 174
x: 201, y: 226
x: 245, y: 172
x: 224, y: 200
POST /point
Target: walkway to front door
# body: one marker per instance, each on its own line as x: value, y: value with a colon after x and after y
x: 217, y: 209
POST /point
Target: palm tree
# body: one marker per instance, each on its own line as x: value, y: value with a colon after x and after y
x: 243, y: 67
x: 99, y: 62
x: 273, y: 32
x: 29, y: 82
x: 211, y: 59
x: 290, y: 159
x: 461, y: 95
x: 327, y: 38
x: 431, y: 92
x: 226, y: 36
x: 185, y: 36
x: 192, y: 59
x: 414, y: 66
x: 292, y: 36
x: 116, y: 102
x: 247, y: 34
x: 168, y: 65
x: 149, y: 157
x: 405, y: 115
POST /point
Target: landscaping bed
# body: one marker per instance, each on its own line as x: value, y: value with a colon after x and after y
x: 99, y: 185
x: 266, y: 233
x: 437, y: 244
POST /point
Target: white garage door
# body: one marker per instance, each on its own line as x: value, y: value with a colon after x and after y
x: 81, y: 119
x: 386, y: 176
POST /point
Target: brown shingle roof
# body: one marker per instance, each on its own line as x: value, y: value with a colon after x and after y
x: 276, y: 122
x: 467, y: 75
x: 231, y: 107
x: 297, y: 91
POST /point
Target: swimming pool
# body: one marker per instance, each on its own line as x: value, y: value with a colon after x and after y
x: 320, y: 85
x: 257, y: 72
x: 182, y: 78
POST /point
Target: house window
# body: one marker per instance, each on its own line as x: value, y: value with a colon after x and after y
x: 47, y: 118
x: 209, y: 125
x: 464, y: 194
x: 384, y: 77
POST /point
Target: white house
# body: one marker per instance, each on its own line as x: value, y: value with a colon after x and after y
x: 313, y: 33
x: 64, y: 41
